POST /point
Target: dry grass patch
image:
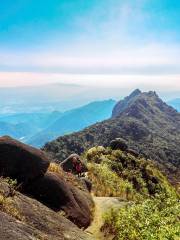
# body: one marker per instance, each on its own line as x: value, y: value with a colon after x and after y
x: 6, y: 200
x: 55, y: 168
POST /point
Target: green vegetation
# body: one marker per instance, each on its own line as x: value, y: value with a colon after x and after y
x: 117, y: 173
x: 154, y: 209
x: 107, y: 183
x: 149, y: 126
x: 153, y: 219
x: 12, y: 183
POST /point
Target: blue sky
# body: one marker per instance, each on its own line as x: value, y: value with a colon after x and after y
x: 105, y: 42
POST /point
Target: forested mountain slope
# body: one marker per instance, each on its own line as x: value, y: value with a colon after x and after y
x: 148, y: 124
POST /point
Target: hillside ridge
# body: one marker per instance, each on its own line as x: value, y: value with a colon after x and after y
x: 149, y: 125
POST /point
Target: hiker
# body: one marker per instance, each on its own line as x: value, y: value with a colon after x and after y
x: 79, y: 168
x: 74, y: 163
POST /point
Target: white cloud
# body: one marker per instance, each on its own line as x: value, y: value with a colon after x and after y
x: 149, y: 59
x: 152, y: 66
x: 156, y: 82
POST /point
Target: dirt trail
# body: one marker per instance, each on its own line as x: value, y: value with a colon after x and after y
x: 102, y: 204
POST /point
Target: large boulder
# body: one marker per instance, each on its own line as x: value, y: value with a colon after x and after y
x: 67, y: 164
x: 20, y: 161
x: 119, y: 144
x: 133, y: 152
x: 12, y: 229
x: 36, y: 221
x: 53, y: 191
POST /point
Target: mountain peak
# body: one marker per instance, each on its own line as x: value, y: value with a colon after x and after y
x: 135, y: 93
x: 152, y: 94
x: 140, y: 103
x: 123, y: 104
x: 142, y: 119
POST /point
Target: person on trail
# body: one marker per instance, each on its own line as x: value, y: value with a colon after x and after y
x: 79, y: 169
x: 74, y: 163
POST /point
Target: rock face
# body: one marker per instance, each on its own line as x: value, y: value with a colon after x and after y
x: 53, y: 191
x: 37, y: 222
x: 67, y: 164
x: 20, y: 161
x: 12, y: 229
x: 133, y: 152
x: 87, y: 183
x: 119, y: 143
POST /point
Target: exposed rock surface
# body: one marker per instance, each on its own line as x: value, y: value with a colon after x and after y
x: 119, y: 143
x: 87, y: 183
x: 53, y: 191
x: 12, y: 229
x: 29, y: 166
x: 36, y: 222
x: 133, y: 152
x: 20, y: 161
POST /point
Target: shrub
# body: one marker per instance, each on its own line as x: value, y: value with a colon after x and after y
x: 108, y: 183
x: 153, y: 219
x: 144, y: 177
x: 94, y: 154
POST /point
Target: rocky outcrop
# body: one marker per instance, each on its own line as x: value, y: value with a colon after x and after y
x: 35, y: 222
x: 57, y: 194
x: 29, y: 167
x: 119, y: 143
x: 20, y: 161
x: 12, y: 229
x: 87, y: 183
x: 133, y: 152
x: 67, y: 164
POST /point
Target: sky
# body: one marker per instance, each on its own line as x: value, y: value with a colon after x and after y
x: 109, y: 43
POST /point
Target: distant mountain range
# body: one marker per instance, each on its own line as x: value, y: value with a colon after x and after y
x: 22, y: 126
x: 39, y: 128
x: 52, y: 97
x: 74, y: 120
x: 148, y: 124
x: 60, y: 97
x: 45, y: 98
